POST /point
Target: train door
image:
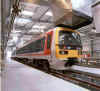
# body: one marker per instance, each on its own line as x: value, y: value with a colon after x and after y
x: 48, y: 42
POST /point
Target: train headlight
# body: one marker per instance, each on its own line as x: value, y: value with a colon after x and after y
x: 69, y: 47
x: 63, y: 52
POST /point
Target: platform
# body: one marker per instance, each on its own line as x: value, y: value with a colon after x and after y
x: 19, y: 77
x: 95, y: 71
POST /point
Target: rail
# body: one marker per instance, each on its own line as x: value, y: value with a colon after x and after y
x: 77, y: 81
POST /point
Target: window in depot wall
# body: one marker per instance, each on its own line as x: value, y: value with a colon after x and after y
x: 48, y: 41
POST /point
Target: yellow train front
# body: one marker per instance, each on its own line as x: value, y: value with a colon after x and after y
x: 67, y: 48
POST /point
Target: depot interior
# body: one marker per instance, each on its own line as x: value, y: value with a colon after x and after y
x: 24, y: 20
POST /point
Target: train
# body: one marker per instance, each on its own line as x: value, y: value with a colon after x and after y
x: 58, y: 48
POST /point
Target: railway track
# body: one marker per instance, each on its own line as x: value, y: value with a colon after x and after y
x: 90, y: 82
x: 82, y: 79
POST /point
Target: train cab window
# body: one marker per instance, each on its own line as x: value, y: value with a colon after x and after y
x: 48, y: 41
x: 69, y: 38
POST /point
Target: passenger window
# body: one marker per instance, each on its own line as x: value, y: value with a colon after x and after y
x: 35, y: 46
x: 48, y: 42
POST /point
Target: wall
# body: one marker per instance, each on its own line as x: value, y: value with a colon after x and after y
x: 96, y: 47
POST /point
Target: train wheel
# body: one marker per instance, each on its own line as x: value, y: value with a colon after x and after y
x: 25, y: 61
x: 46, y: 66
x: 35, y: 62
x: 63, y: 71
x: 40, y: 64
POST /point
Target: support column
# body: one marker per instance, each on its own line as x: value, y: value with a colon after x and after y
x: 5, y: 12
x: 96, y: 16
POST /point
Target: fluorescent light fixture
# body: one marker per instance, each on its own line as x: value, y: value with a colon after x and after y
x: 38, y: 26
x: 22, y: 21
x: 27, y: 13
x: 15, y: 38
x: 16, y: 31
x: 42, y: 30
x: 93, y: 30
x: 34, y: 30
x: 49, y: 13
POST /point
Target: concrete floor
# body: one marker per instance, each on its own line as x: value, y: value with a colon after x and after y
x: 19, y: 77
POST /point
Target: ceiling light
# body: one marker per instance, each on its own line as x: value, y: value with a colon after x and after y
x: 93, y: 30
x: 49, y: 13
x: 27, y: 13
x: 38, y: 26
x: 16, y: 31
x: 15, y: 38
x: 22, y: 21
